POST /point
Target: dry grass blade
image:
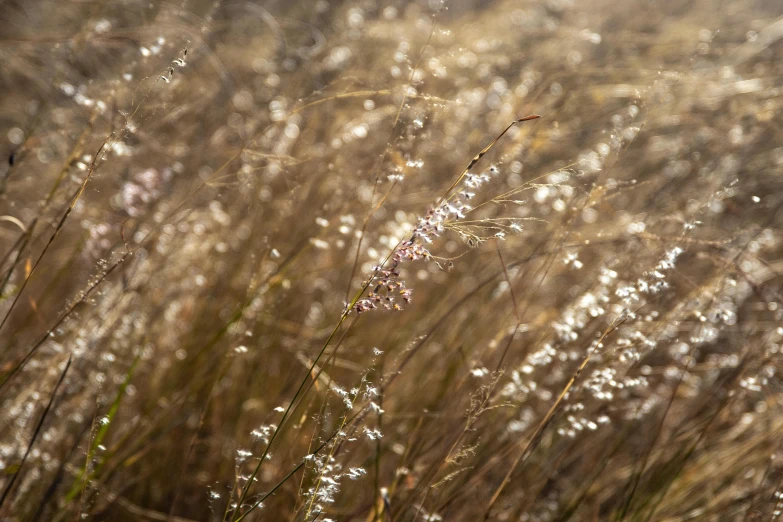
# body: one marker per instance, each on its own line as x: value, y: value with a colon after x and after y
x: 350, y: 282
x: 18, y: 468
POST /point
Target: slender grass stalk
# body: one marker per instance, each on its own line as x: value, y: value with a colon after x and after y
x: 15, y: 474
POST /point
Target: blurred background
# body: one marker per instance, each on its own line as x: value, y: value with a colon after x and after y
x: 195, y: 198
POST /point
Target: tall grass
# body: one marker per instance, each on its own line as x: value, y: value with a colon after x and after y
x: 245, y: 273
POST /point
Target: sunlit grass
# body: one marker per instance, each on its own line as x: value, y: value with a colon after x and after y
x: 313, y: 262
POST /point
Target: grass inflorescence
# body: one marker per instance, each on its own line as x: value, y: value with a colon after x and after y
x: 311, y: 261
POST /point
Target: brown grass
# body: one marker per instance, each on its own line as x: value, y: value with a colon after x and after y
x: 213, y: 216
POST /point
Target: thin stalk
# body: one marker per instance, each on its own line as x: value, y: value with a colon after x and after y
x: 36, y: 432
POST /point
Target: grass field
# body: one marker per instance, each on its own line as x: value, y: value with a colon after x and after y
x: 321, y: 260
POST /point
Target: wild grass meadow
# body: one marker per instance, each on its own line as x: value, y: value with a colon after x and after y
x: 391, y: 261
